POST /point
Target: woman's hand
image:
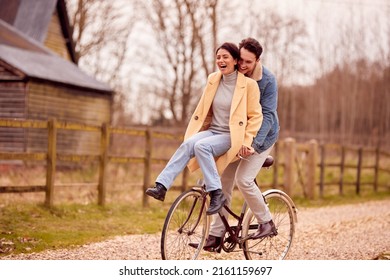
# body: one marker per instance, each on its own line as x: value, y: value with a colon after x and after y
x: 245, y: 151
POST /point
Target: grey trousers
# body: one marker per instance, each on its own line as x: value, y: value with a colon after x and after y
x: 243, y: 173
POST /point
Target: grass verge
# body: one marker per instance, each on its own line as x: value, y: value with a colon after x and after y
x: 27, y: 228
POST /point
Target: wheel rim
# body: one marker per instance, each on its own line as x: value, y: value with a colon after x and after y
x: 182, y: 228
x: 276, y: 247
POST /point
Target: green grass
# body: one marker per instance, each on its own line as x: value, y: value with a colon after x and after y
x: 33, y: 228
x: 27, y: 228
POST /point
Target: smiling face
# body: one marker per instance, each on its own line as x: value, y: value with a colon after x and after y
x: 247, y: 62
x: 225, y: 62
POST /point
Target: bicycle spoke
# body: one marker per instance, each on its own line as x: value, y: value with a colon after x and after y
x: 185, y: 223
x: 275, y: 247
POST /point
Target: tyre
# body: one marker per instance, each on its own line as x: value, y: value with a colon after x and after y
x: 186, y: 224
x: 284, y: 216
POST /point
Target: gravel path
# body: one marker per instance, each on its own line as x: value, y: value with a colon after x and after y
x: 348, y: 232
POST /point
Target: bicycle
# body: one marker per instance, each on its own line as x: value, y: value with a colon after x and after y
x: 187, y: 222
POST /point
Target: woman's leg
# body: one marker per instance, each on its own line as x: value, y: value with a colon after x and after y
x: 217, y: 228
x: 180, y: 159
x: 206, y: 149
x: 245, y: 180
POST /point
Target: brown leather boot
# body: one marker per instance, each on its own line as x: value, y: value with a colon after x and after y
x: 264, y: 230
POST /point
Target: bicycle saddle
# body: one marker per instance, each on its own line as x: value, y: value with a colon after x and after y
x: 268, y: 161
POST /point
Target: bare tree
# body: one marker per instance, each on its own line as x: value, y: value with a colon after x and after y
x: 186, y: 37
x: 285, y: 43
x: 348, y: 102
x: 101, y: 31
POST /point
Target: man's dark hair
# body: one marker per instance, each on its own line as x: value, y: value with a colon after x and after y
x: 251, y: 45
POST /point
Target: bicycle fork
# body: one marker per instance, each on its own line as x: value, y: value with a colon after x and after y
x: 198, y: 215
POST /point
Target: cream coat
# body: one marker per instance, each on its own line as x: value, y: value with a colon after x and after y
x: 245, y: 116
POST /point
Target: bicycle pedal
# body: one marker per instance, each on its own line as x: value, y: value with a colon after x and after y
x: 272, y: 234
x: 217, y: 250
x: 213, y: 250
x: 243, y: 239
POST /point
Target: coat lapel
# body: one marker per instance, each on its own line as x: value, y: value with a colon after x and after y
x: 211, y: 90
x: 238, y: 92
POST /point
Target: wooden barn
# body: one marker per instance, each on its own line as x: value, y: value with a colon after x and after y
x: 40, y: 79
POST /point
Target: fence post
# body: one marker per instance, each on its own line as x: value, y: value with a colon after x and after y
x: 311, y: 168
x: 184, y: 185
x: 104, y: 146
x: 322, y: 170
x: 275, y: 180
x: 51, y: 161
x: 147, y: 165
x: 359, y: 169
x: 342, y: 167
x: 376, y: 169
x: 289, y: 165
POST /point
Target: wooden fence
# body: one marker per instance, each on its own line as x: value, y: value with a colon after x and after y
x: 318, y: 159
x: 287, y: 153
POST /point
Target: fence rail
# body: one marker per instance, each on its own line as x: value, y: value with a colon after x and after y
x: 287, y: 157
x: 359, y: 166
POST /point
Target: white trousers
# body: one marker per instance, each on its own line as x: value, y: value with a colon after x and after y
x: 243, y: 173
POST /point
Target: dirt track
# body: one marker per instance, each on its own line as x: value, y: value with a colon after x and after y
x: 348, y: 232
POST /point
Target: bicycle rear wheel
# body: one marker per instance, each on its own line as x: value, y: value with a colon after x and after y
x: 275, y: 247
x: 185, y: 223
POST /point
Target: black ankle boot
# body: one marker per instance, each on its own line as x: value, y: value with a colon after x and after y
x: 216, y: 202
x: 264, y: 230
x: 158, y: 192
x: 213, y: 244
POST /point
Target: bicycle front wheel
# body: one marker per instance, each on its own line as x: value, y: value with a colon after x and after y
x: 185, y: 228
x: 274, y: 247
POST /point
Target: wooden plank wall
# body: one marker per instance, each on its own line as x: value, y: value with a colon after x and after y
x: 68, y: 104
x: 55, y: 39
x: 12, y: 106
x: 71, y: 105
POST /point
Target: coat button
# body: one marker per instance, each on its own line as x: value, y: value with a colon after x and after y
x: 240, y: 123
x: 196, y: 118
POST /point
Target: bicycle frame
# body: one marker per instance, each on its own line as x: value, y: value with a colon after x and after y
x: 233, y: 230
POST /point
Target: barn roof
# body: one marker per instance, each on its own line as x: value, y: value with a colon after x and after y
x: 36, y: 61
x: 49, y: 67
x: 13, y: 37
x: 30, y: 17
x: 31, y: 57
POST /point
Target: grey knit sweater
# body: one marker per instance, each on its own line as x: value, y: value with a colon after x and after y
x: 222, y: 103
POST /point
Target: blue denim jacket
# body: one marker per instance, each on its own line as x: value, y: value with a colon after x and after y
x: 269, y: 130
